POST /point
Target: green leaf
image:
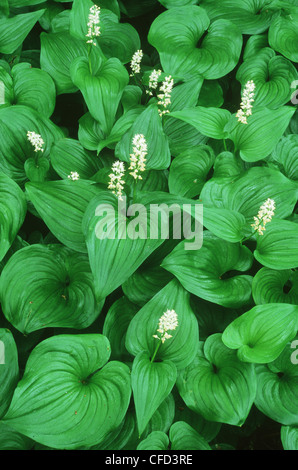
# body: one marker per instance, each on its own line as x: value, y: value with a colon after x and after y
x: 208, y: 121
x: 189, y: 171
x: 277, y: 248
x: 69, y: 395
x: 151, y: 384
x: 257, y: 139
x: 102, y: 90
x: 29, y: 87
x: 277, y: 389
x: 286, y: 153
x: 261, y: 333
x: 117, y: 244
x: 271, y: 286
x: 48, y: 285
x: 176, y: 35
x: 211, y: 272
x: 252, y: 17
x: 13, y: 208
x: 9, y: 369
x: 149, y: 124
x: 289, y: 437
x: 116, y: 323
x: 13, y: 440
x: 184, y: 437
x: 283, y: 36
x: 58, y: 50
x: 272, y: 76
x: 14, y: 30
x: 69, y: 155
x: 181, y: 348
x: 157, y: 440
x: 61, y: 205
x: 217, y: 385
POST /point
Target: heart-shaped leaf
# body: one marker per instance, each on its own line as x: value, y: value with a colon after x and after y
x: 69, y: 395
x: 184, y: 437
x: 157, y: 440
x: 271, y: 286
x: 289, y: 437
x: 286, y: 153
x: 210, y: 273
x: 9, y: 369
x: 217, y: 385
x: 48, y: 285
x: 283, y: 34
x: 251, y: 335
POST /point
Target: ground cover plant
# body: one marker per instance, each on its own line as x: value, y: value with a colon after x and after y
x: 149, y: 228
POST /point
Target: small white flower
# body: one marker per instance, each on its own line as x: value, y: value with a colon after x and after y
x: 73, y: 176
x: 138, y: 156
x: 167, y: 322
x: 93, y: 24
x: 165, y: 94
x: 246, y: 103
x: 153, y: 81
x: 135, y: 63
x: 36, y: 140
x: 116, y: 183
x: 264, y: 216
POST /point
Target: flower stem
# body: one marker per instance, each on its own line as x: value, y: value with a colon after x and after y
x: 89, y: 58
x: 155, y: 352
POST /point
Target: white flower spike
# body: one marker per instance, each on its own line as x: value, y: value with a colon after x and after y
x: 116, y: 183
x: 135, y: 63
x: 164, y: 95
x: 246, y: 103
x: 36, y: 140
x: 167, y: 322
x: 93, y: 25
x: 138, y: 157
x: 153, y: 81
x: 264, y: 216
x: 74, y: 176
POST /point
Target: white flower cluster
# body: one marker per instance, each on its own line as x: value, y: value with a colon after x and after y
x: 165, y: 94
x: 168, y: 321
x: 246, y: 103
x: 264, y: 216
x: 153, y: 81
x: 135, y: 63
x: 36, y: 140
x: 73, y: 176
x: 138, y: 156
x: 116, y: 183
x: 93, y: 22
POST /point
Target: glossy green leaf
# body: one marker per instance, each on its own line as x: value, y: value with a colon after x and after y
x: 277, y: 248
x: 151, y: 384
x: 184, y: 437
x: 189, y: 171
x: 277, y: 389
x: 101, y: 90
x: 12, y: 214
x: 48, y: 285
x: 257, y: 139
x: 13, y: 440
x: 261, y: 333
x: 176, y: 35
x: 208, y: 121
x: 286, y: 153
x: 117, y: 242
x: 15, y: 29
x: 283, y: 34
x: 211, y: 272
x: 9, y: 369
x: 217, y: 385
x: 70, y: 395
x: 157, y: 440
x: 149, y: 124
x: 61, y: 205
x: 181, y: 348
x: 289, y: 437
x: 271, y: 286
x: 272, y: 75
x: 69, y: 155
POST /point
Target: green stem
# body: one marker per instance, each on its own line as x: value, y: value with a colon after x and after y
x: 225, y: 145
x: 155, y: 352
x: 248, y: 238
x: 89, y: 58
